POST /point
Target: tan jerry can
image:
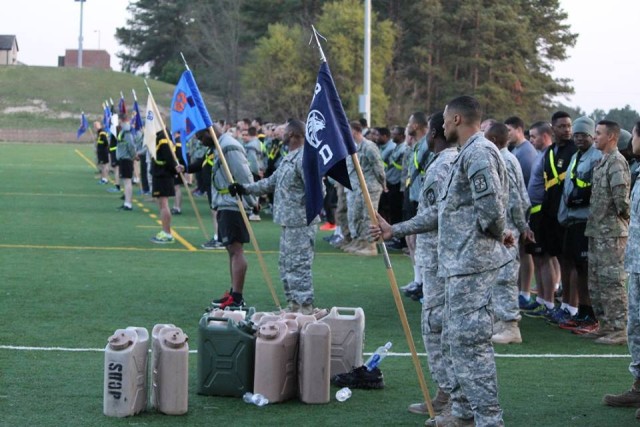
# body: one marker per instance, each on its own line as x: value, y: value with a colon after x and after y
x: 125, y: 372
x: 276, y: 363
x: 347, y: 337
x: 169, y: 370
x: 314, y: 362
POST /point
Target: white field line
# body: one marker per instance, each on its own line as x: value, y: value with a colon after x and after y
x: 391, y: 354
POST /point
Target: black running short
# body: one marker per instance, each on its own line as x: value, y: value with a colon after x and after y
x: 231, y: 228
x: 125, y: 168
x: 112, y: 158
x: 163, y: 186
x: 576, y: 244
x: 103, y: 154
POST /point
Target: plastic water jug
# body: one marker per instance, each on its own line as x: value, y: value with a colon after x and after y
x: 169, y: 370
x: 314, y: 362
x: 125, y: 372
x: 276, y: 363
x: 347, y: 336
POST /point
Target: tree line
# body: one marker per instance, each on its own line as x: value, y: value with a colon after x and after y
x: 255, y: 54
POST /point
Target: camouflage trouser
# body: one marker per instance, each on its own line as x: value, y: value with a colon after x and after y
x: 467, y: 348
x: 362, y: 219
x: 607, y: 280
x: 633, y: 324
x: 353, y: 215
x: 296, y: 258
x: 341, y: 211
x: 432, y: 313
x: 505, y: 290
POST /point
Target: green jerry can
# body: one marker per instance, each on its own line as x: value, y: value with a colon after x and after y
x: 226, y: 355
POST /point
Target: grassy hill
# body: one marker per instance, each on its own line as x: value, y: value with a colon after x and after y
x: 53, y: 97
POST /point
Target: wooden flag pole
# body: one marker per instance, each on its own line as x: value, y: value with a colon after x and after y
x: 173, y: 153
x: 394, y: 289
x: 245, y: 218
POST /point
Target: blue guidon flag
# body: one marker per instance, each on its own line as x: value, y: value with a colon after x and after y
x: 328, y: 142
x: 188, y: 112
x: 84, y: 125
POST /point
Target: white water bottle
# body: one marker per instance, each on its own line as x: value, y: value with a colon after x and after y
x: 257, y: 399
x: 374, y: 360
x: 343, y: 394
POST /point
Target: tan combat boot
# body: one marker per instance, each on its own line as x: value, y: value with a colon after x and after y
x: 628, y: 398
x: 351, y: 246
x: 292, y: 307
x: 510, y: 334
x: 614, y: 338
x: 307, y: 309
x: 448, y: 420
x: 439, y: 403
x: 367, y: 249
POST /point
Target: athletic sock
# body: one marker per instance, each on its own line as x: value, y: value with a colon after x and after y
x: 417, y: 274
x: 572, y: 310
x: 550, y: 305
x: 129, y: 205
x: 237, y: 296
x: 526, y: 295
x: 563, y: 306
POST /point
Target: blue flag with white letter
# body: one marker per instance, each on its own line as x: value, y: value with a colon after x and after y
x: 188, y: 112
x: 106, y: 118
x: 328, y: 142
x: 136, y: 120
x: 84, y: 125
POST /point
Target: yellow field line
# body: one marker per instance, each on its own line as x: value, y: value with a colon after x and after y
x: 89, y: 248
x: 177, y: 236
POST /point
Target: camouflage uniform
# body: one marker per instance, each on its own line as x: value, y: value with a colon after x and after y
x: 297, y: 239
x: 505, y: 289
x: 373, y: 171
x: 427, y: 258
x: 607, y: 229
x: 471, y: 222
x: 632, y: 266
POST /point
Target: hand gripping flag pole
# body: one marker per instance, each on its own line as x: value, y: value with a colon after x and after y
x: 184, y: 181
x: 326, y: 107
x: 225, y: 167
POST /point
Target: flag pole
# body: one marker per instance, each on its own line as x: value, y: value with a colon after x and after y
x: 387, y: 262
x: 245, y: 218
x: 135, y: 98
x: 173, y: 153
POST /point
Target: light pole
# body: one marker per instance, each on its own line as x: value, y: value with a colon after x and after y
x: 365, y: 99
x: 80, y: 37
x: 98, y: 31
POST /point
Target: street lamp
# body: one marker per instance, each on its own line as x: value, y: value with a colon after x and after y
x: 98, y: 31
x: 80, y: 37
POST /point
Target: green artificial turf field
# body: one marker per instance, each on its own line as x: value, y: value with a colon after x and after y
x: 73, y: 269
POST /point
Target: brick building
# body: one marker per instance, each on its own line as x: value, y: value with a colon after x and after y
x: 91, y: 58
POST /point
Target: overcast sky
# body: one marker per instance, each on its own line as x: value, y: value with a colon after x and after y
x: 601, y: 65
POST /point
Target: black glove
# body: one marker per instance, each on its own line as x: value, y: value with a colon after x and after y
x: 236, y: 189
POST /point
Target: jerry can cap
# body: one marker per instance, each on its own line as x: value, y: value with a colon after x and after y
x: 269, y: 330
x: 174, y: 338
x: 121, y: 339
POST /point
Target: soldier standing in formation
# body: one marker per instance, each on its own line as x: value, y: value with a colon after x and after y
x: 297, y: 238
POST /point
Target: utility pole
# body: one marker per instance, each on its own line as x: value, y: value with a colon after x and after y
x: 365, y: 98
x: 80, y: 37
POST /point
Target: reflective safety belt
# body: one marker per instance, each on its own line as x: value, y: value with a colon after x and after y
x: 535, y: 209
x: 557, y: 179
x: 572, y: 176
x: 396, y: 165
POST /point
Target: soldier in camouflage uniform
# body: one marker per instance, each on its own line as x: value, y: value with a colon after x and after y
x: 373, y: 171
x: 607, y: 229
x: 471, y: 230
x: 505, y: 289
x: 297, y: 238
x: 632, y: 266
x: 427, y: 259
